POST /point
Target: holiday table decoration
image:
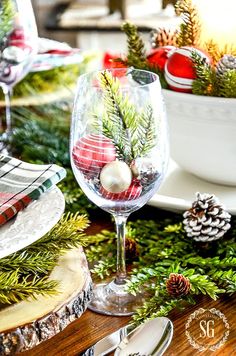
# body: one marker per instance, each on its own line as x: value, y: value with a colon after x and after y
x: 118, y: 141
x: 149, y: 242
x: 199, y: 81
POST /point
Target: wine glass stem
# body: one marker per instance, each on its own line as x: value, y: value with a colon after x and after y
x: 7, y: 95
x: 120, y: 221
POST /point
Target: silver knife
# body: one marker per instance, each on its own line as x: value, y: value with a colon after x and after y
x: 126, y: 340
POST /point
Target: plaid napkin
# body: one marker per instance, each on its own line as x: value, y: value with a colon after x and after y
x: 22, y: 182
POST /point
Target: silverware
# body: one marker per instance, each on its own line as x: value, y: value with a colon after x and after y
x: 149, y: 339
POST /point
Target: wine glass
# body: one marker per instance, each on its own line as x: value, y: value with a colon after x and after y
x: 119, y: 153
x: 18, y: 45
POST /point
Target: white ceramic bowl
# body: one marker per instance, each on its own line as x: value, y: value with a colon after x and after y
x: 203, y: 135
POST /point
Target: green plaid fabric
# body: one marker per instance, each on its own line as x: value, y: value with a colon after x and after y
x: 22, y: 182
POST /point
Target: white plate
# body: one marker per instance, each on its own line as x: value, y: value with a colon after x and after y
x: 179, y: 187
x: 32, y: 223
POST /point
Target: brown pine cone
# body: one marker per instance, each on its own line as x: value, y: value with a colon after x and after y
x: 162, y: 37
x: 177, y: 285
x: 131, y: 249
x: 207, y: 220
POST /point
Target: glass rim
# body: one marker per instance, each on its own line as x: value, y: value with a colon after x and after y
x: 128, y: 71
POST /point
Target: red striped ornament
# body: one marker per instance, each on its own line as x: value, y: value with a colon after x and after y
x: 159, y: 56
x: 133, y: 192
x: 179, y: 68
x: 91, y: 153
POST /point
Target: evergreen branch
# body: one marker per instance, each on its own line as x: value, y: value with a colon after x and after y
x: 136, y: 56
x: 119, y: 113
x: 158, y: 306
x: 134, y: 134
x: 66, y: 234
x: 214, y: 51
x: 136, y: 46
x: 25, y: 273
x: 140, y: 131
x: 28, y: 263
x: 206, y: 82
x: 190, y: 29
x: 211, y: 262
x: 226, y: 279
x: 13, y: 289
x: 201, y: 284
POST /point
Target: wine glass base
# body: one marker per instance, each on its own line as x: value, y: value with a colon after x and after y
x: 112, y: 299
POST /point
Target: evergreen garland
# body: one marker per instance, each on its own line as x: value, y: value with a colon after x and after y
x: 161, y: 249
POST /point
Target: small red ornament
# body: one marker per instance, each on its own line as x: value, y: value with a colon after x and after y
x: 19, y: 39
x: 159, y: 56
x: 179, y: 68
x: 91, y: 153
x: 110, y: 61
x: 133, y: 192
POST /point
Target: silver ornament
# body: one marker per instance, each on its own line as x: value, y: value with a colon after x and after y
x: 13, y: 54
x: 116, y: 177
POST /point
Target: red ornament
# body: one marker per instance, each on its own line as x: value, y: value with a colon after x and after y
x: 92, y: 152
x: 19, y: 39
x: 179, y: 68
x: 159, y: 56
x: 110, y: 61
x: 133, y: 192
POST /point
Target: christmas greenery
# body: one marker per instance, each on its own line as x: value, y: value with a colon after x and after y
x: 25, y: 273
x: 209, y: 79
x: 132, y: 131
x: 137, y: 56
x: 189, y: 31
x: 161, y: 247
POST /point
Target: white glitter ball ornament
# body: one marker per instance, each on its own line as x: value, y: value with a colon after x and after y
x: 116, y: 177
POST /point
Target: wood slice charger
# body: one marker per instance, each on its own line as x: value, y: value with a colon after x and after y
x: 26, y: 324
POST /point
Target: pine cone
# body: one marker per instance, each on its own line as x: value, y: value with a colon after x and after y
x: 177, y: 285
x: 162, y: 37
x: 227, y: 62
x: 131, y: 249
x: 206, y: 220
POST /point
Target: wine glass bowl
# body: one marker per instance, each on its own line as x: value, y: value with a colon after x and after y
x: 18, y: 46
x: 119, y: 155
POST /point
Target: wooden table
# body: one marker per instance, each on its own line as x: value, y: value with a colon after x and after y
x: 91, y: 327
